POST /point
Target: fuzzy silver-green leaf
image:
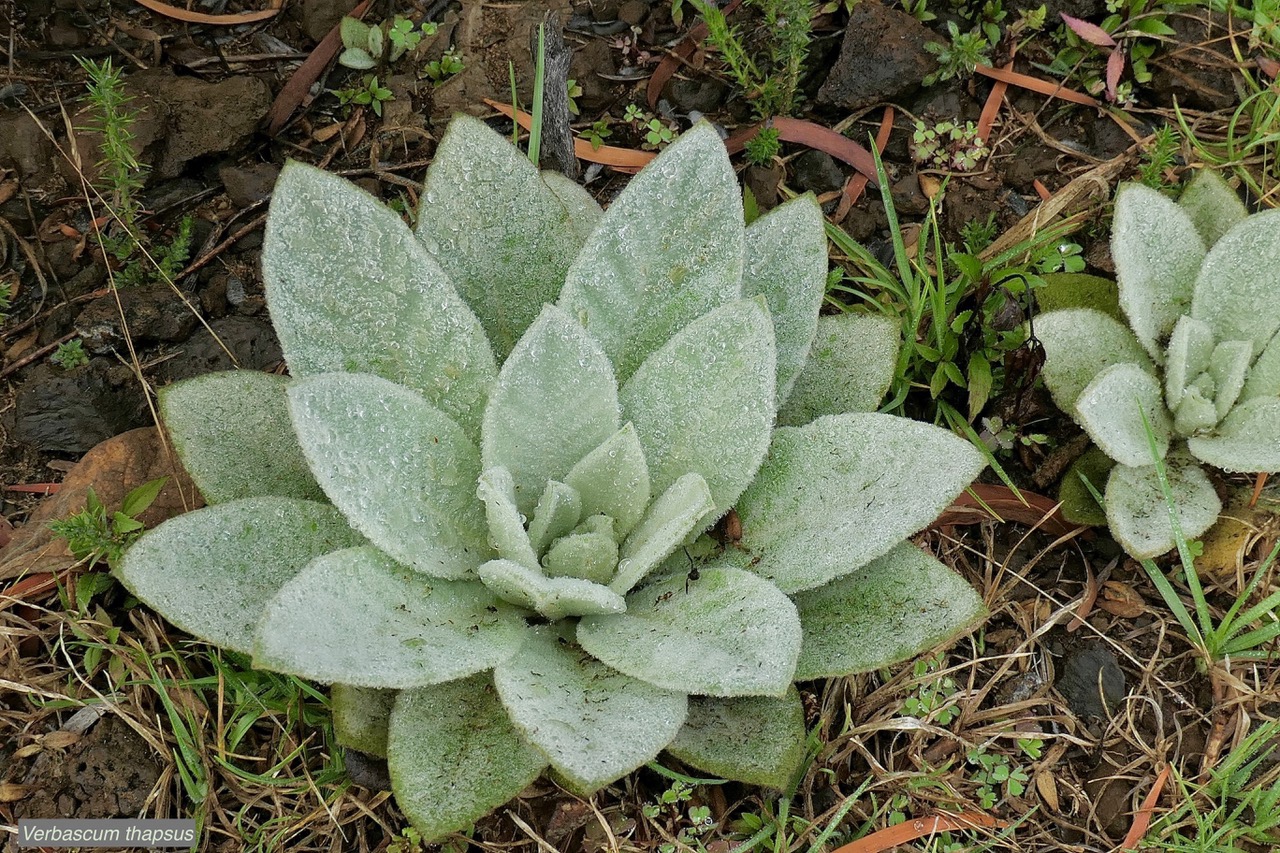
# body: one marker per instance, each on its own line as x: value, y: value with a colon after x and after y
x: 1157, y: 252
x: 502, y: 234
x: 727, y: 633
x: 899, y: 605
x: 205, y: 571
x: 703, y: 403
x: 351, y: 289
x: 845, y: 489
x: 400, y: 470
x: 850, y: 367
x: 454, y: 755
x: 1138, y: 516
x: 786, y: 263
x: 233, y: 433
x: 669, y: 249
x: 593, y: 723
x: 554, y: 402
x: 358, y: 617
x: 759, y: 740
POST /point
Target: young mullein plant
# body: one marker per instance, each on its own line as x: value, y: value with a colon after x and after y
x: 1194, y: 378
x: 473, y: 508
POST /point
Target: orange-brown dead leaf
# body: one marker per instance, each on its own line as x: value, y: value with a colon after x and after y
x: 890, y: 837
x: 857, y: 182
x: 1047, y: 788
x: 1035, y: 84
x: 1122, y: 600
x: 1142, y: 820
x: 622, y: 159
x: 1032, y: 510
x: 113, y: 468
x: 202, y: 18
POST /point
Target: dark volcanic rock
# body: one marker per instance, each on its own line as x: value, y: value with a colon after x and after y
x: 882, y: 58
x: 69, y: 411
x: 248, y: 184
x: 250, y: 339
x: 153, y: 313
x: 817, y: 172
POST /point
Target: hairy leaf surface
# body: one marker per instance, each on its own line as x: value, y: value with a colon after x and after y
x: 351, y: 289
x: 554, y: 402
x: 454, y: 755
x: 1158, y: 253
x: 896, y: 606
x: 1136, y: 510
x: 358, y: 617
x: 727, y: 633
x: 836, y: 494
x: 400, y: 470
x: 850, y: 367
x: 504, y: 236
x: 205, y: 570
x: 704, y: 403
x: 233, y: 433
x: 786, y: 263
x: 669, y: 249
x: 759, y: 740
x: 593, y: 723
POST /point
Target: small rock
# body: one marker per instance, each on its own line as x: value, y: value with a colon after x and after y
x: 862, y: 224
x: 703, y: 94
x: 203, y: 118
x: 589, y: 61
x: 154, y: 314
x: 70, y: 411
x: 23, y: 145
x: 367, y: 771
x: 816, y: 171
x: 250, y: 339
x: 320, y: 16
x: 633, y: 12
x: 763, y: 182
x: 907, y: 197
x: 882, y: 59
x: 63, y: 33
x: 248, y: 185
x: 1092, y: 681
x: 605, y: 11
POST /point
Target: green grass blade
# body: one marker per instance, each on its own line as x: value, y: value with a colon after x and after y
x: 539, y: 82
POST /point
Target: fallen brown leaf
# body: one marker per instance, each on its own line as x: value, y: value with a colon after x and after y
x: 113, y: 468
x: 1048, y: 790
x: 202, y: 18
x: 890, y: 837
x: 1120, y: 599
x: 308, y: 72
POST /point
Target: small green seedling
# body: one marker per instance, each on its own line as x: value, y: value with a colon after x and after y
x: 948, y: 145
x: 449, y: 64
x: 998, y: 777
x: 764, y: 146
x: 365, y: 45
x: 598, y: 133
x: 574, y: 92
x: 97, y: 536
x: 959, y: 56
x: 70, y: 355
x: 371, y: 93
